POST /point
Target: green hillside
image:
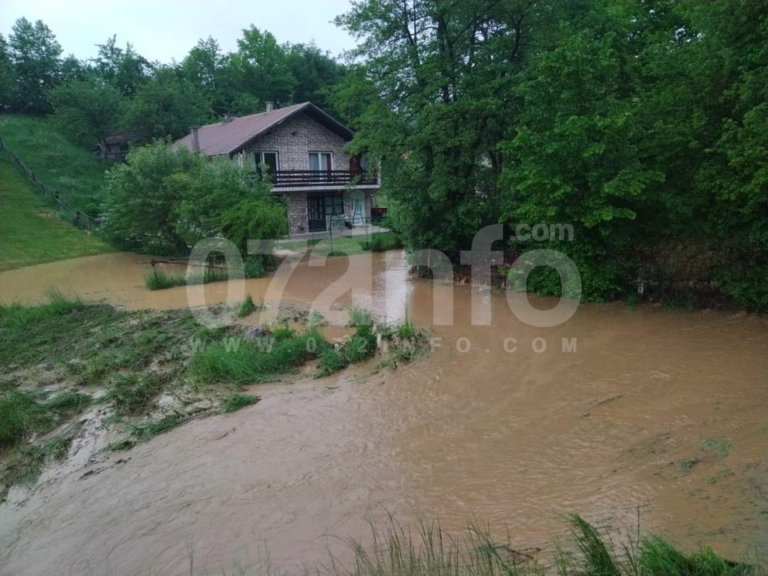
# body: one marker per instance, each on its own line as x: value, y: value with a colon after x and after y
x: 31, y: 231
x: 64, y: 166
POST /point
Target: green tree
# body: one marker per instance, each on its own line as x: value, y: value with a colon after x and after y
x: 35, y: 55
x: 260, y: 67
x: 73, y: 69
x: 164, y: 201
x: 141, y: 199
x: 166, y: 106
x: 7, y: 76
x: 123, y: 67
x: 210, y: 193
x: 314, y: 72
x: 436, y: 87
x: 88, y: 109
x: 578, y: 151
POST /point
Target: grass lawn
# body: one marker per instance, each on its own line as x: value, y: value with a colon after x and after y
x: 31, y: 231
x: 61, y: 164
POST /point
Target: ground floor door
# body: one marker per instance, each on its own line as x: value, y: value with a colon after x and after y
x: 325, y: 207
x: 316, y: 213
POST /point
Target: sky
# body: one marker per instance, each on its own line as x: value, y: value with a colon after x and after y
x: 166, y: 29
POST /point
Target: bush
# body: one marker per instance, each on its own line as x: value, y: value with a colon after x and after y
x: 165, y: 200
x: 331, y: 361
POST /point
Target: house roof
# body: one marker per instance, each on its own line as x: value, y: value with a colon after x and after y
x: 232, y: 135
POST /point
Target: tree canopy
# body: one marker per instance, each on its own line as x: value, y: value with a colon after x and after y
x: 642, y: 124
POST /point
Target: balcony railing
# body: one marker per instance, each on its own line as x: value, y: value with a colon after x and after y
x: 290, y: 178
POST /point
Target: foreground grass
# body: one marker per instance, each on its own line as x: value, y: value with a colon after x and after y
x: 237, y: 362
x: 66, y: 167
x: 134, y: 359
x: 30, y: 230
x: 585, y: 551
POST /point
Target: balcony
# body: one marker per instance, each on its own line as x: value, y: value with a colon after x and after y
x: 303, y: 179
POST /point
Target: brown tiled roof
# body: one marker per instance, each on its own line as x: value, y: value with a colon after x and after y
x: 229, y: 136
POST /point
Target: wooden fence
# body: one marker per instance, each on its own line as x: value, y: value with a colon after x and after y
x: 78, y: 217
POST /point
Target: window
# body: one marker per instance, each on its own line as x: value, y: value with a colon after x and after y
x: 268, y: 158
x: 320, y: 161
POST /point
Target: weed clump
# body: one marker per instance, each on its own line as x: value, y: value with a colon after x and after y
x: 132, y: 394
x: 159, y: 280
x: 248, y: 307
x: 235, y: 402
x: 239, y: 362
x: 148, y: 430
x: 20, y: 413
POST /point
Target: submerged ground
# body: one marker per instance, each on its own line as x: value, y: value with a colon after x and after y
x: 656, y: 412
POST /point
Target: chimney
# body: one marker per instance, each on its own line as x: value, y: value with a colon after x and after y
x: 195, y: 139
x: 270, y: 105
x: 228, y: 117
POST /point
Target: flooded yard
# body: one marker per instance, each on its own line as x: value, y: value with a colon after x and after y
x: 654, y: 412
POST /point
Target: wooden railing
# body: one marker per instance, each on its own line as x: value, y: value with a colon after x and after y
x: 288, y: 178
x: 76, y: 216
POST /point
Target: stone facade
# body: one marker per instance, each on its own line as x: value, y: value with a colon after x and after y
x: 297, y: 212
x: 294, y: 140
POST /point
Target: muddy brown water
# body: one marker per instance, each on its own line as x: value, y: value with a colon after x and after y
x: 661, y: 412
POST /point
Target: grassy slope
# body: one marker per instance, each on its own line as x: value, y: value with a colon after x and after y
x: 64, y: 166
x: 31, y: 231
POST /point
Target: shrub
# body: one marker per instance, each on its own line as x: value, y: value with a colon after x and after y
x: 359, y: 317
x: 331, y: 361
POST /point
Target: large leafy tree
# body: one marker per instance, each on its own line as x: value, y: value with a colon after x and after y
x: 123, y: 67
x: 166, y: 106
x: 88, y: 110
x: 261, y: 68
x: 164, y: 201
x: 314, y: 72
x: 7, y: 78
x: 35, y: 55
x: 578, y: 149
x: 436, y: 87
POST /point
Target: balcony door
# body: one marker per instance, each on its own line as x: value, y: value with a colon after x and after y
x: 320, y: 162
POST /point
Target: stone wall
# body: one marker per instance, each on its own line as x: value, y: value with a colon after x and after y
x: 297, y: 212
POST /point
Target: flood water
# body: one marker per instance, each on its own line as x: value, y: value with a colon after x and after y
x: 661, y: 412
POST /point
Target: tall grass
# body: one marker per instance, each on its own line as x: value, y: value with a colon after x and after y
x: 159, y: 280
x: 20, y: 413
x: 430, y: 551
x: 239, y: 362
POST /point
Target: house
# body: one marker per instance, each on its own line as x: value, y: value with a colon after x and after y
x: 303, y: 150
x: 113, y: 147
